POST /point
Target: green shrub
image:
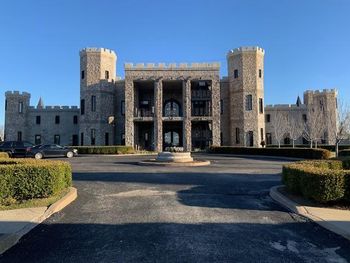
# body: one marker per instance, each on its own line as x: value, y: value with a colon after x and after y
x: 306, y: 153
x: 105, y: 149
x: 23, y: 179
x: 4, y: 155
x: 319, y: 146
x: 323, y: 181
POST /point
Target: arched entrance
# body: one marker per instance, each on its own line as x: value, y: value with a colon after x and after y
x: 172, y: 134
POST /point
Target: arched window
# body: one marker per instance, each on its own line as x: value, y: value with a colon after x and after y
x: 172, y: 108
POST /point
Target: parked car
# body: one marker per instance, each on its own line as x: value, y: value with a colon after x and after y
x: 16, y: 148
x: 51, y: 150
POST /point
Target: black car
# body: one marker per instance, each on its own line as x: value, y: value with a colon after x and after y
x: 16, y: 148
x: 51, y: 150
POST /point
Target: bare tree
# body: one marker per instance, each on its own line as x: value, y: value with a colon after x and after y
x: 314, y: 126
x: 279, y: 125
x: 340, y: 124
x: 294, y: 127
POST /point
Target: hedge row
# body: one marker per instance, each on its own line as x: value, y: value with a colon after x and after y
x: 323, y: 181
x: 306, y: 153
x: 320, y: 146
x: 23, y: 179
x: 104, y: 149
x: 344, y: 153
x: 4, y: 155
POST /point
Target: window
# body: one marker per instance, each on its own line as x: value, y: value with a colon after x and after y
x: 37, y: 139
x: 106, y: 74
x: 122, y: 137
x: 93, y: 136
x: 268, y: 117
x: 235, y: 73
x: 262, y: 134
x: 260, y: 73
x: 57, y: 119
x: 5, y: 105
x: 93, y: 103
x: 261, y: 105
x: 38, y: 120
x: 122, y: 108
x: 221, y: 107
x: 250, y: 138
x: 82, y: 139
x: 20, y: 107
x: 82, y: 107
x: 171, y: 109
x: 82, y: 74
x: 75, y: 119
x: 75, y: 140
x: 19, y: 136
x: 237, y: 136
x: 248, y: 102
x: 304, y: 118
x: 268, y: 138
x: 106, y: 138
x: 56, y: 139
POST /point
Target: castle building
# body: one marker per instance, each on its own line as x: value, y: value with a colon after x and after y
x: 156, y: 105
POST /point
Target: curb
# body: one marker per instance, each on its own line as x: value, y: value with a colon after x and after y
x: 302, y: 210
x: 9, y: 240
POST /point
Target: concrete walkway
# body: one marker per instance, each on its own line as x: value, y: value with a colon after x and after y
x: 17, y: 222
x: 335, y: 220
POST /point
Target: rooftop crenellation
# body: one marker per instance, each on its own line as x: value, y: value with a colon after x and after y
x: 172, y: 66
x: 62, y: 108
x: 97, y: 49
x: 16, y: 92
x: 321, y: 91
x: 245, y: 49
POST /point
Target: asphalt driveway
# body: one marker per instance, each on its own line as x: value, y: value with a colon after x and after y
x: 220, y: 213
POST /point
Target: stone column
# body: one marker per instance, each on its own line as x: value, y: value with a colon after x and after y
x: 129, y: 112
x: 158, y: 115
x: 186, y: 93
x: 215, y: 104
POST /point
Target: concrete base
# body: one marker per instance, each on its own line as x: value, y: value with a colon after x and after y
x: 174, y: 157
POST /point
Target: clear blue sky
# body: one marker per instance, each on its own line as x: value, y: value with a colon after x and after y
x: 307, y: 43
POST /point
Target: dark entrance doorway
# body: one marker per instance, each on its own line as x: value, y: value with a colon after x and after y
x: 75, y: 140
x: 172, y: 134
x: 201, y: 135
x: 144, y: 135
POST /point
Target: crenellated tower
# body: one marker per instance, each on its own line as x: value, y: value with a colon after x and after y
x: 16, y: 108
x: 246, y: 91
x: 97, y: 96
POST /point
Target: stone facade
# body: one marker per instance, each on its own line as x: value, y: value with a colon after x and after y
x: 156, y: 105
x: 324, y: 102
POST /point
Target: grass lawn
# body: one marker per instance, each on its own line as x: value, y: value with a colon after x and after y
x: 39, y: 202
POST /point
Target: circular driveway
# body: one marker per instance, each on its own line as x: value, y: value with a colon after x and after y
x: 218, y: 213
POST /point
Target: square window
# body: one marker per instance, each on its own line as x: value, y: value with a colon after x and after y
x: 75, y: 119
x: 38, y: 120
x: 235, y: 73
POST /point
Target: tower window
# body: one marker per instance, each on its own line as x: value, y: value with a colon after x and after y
x: 75, y: 119
x: 248, y: 102
x: 38, y: 120
x: 82, y: 139
x: 235, y: 73
x: 56, y: 139
x: 19, y: 136
x: 82, y: 74
x: 20, y: 107
x: 37, y: 139
x: 93, y: 103
x: 82, y: 107
x: 268, y: 117
x: 106, y: 74
x: 262, y: 134
x: 261, y: 105
x: 106, y: 138
x: 5, y: 105
x: 237, y: 136
x: 304, y: 118
x: 260, y: 73
x: 57, y: 119
x: 93, y: 136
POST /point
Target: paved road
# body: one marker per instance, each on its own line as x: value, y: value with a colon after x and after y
x: 220, y: 213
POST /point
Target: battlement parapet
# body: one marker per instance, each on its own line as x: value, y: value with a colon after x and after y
x: 172, y: 66
x: 284, y: 106
x: 96, y: 50
x: 245, y: 49
x: 53, y: 108
x: 324, y: 91
x: 17, y: 93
